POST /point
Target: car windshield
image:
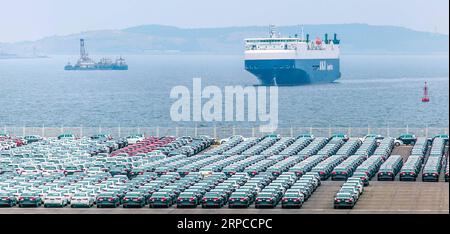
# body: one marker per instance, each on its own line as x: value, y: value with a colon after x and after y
x: 80, y: 195
x: 133, y: 194
x: 291, y: 195
x: 49, y: 168
x: 239, y: 195
x: 28, y: 195
x: 54, y: 195
x: 212, y: 195
x: 343, y: 195
x: 407, y: 136
x: 347, y: 190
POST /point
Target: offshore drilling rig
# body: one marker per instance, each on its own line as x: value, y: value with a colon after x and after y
x: 86, y: 63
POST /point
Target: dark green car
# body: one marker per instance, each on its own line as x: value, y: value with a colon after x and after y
x: 7, y: 200
x: 240, y: 200
x: 160, y: 200
x: 108, y: 200
x: 187, y: 200
x: 134, y: 199
x: 266, y: 200
x: 213, y: 200
x: 32, y: 139
x: 30, y: 200
x: 407, y: 139
x: 292, y: 200
x: 344, y: 200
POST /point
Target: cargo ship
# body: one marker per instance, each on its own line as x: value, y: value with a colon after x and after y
x: 297, y: 60
x: 85, y: 63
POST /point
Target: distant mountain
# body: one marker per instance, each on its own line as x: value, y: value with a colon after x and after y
x: 356, y: 38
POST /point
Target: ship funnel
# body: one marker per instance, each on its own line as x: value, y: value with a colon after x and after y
x: 335, y: 40
x: 326, y: 38
x: 307, y: 37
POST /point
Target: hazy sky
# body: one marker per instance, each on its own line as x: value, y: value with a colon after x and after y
x: 34, y: 19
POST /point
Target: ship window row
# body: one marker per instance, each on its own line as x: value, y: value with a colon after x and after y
x: 271, y: 41
x: 269, y: 47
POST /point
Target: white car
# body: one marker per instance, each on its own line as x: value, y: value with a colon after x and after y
x: 134, y: 139
x: 357, y: 184
x: 350, y: 189
x: 30, y: 170
x: 55, y: 199
x: 82, y: 200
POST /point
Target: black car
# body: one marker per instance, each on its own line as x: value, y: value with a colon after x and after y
x: 188, y: 200
x: 7, y: 200
x: 30, y: 200
x: 161, y: 200
x: 344, y: 200
x: 292, y: 200
x: 134, y: 199
x: 108, y: 200
x: 240, y: 200
x: 407, y: 139
x: 213, y: 200
x: 266, y: 200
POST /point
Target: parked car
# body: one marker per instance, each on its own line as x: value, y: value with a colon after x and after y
x: 389, y: 170
x: 7, y: 199
x: 240, y: 200
x: 213, y: 200
x: 292, y: 200
x: 406, y: 139
x: 30, y: 199
x: 82, y: 200
x: 188, y: 200
x: 33, y: 138
x: 266, y: 200
x: 161, y: 200
x: 108, y: 200
x: 411, y: 169
x: 66, y: 136
x: 344, y: 200
x: 135, y: 138
x: 134, y: 199
x: 55, y: 199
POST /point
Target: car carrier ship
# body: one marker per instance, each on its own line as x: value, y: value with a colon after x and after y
x: 85, y: 63
x: 295, y: 60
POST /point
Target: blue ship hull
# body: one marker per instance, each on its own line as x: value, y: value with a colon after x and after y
x: 285, y: 72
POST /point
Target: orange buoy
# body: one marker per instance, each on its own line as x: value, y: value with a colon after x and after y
x: 426, y: 97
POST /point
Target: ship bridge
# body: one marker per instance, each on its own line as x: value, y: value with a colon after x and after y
x: 276, y: 42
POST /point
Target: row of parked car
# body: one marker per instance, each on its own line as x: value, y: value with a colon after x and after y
x: 390, y: 168
x: 434, y: 163
x: 349, y: 194
x: 412, y: 167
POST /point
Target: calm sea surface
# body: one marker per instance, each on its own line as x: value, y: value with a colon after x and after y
x: 375, y: 90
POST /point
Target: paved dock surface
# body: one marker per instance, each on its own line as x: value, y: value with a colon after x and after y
x: 380, y: 197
